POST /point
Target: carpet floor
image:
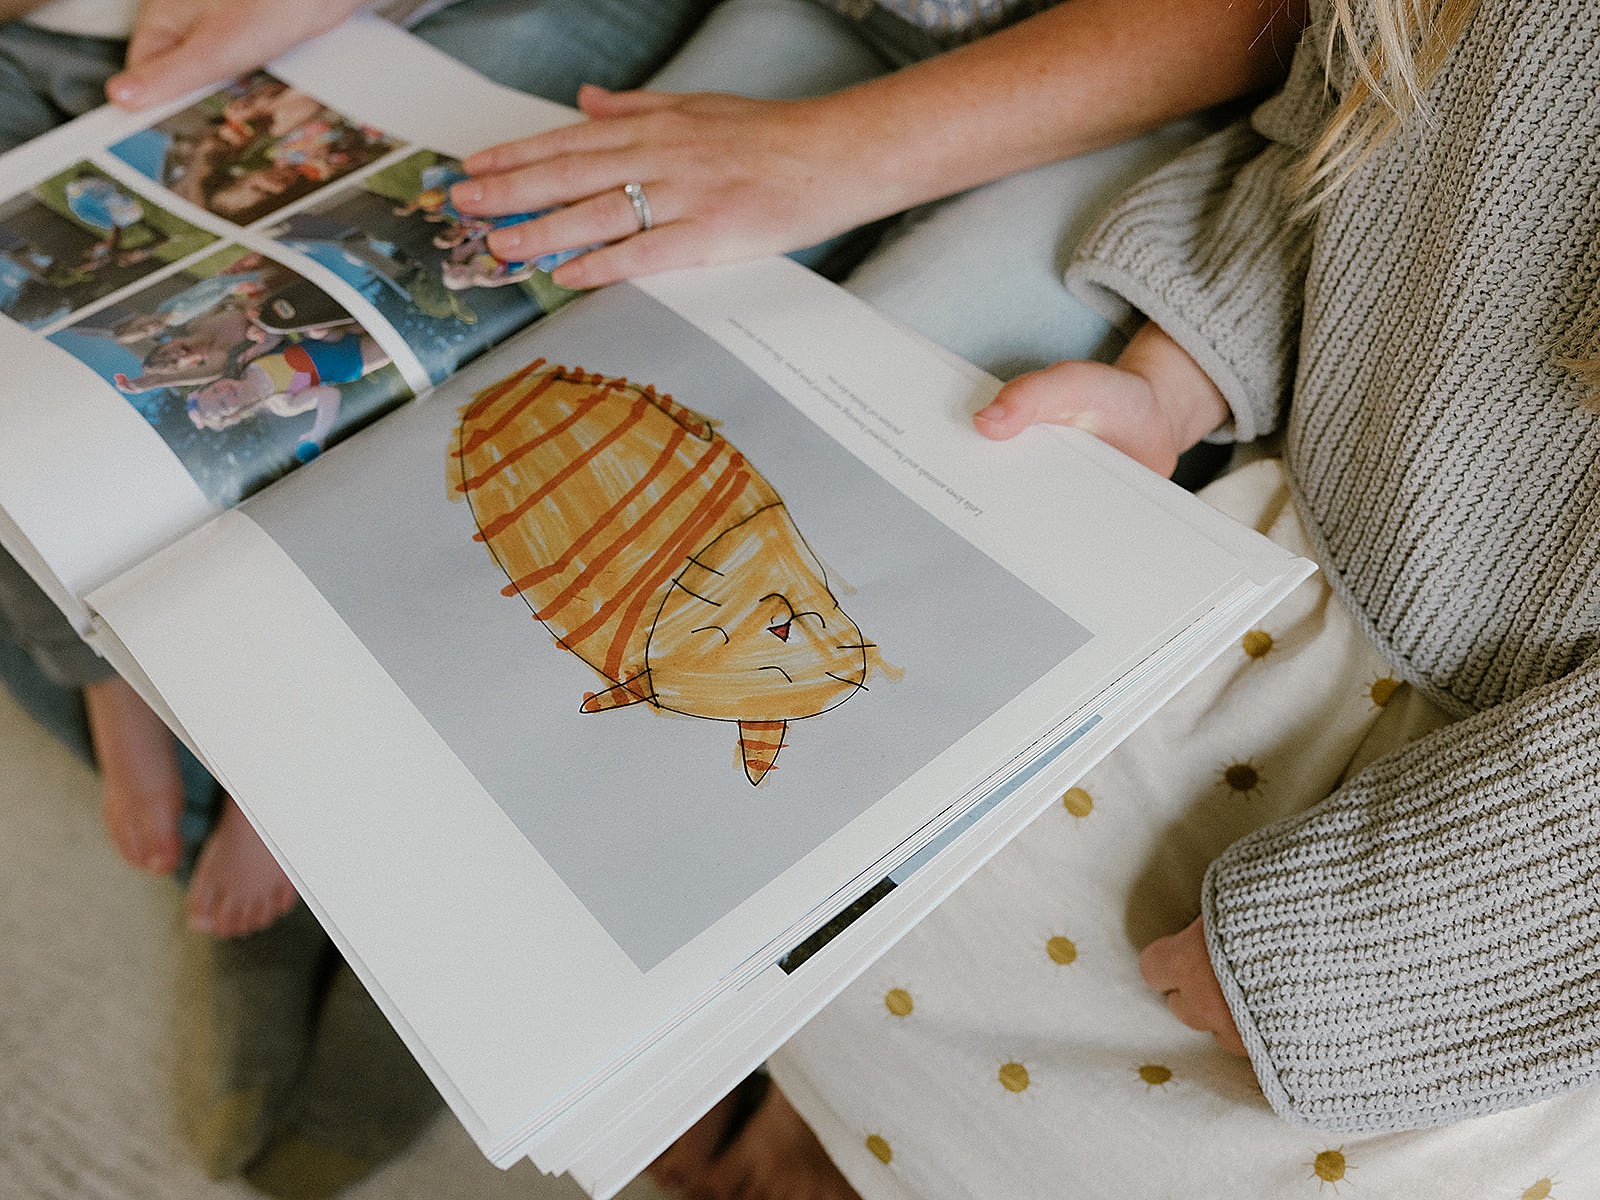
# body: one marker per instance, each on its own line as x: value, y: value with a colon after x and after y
x: 90, y: 1043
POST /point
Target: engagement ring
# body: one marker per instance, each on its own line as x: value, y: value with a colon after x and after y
x: 641, y: 206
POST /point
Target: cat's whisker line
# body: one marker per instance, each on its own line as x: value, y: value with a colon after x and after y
x: 678, y: 583
x: 704, y: 567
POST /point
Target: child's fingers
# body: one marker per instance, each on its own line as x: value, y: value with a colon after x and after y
x: 1053, y: 396
x: 1179, y: 967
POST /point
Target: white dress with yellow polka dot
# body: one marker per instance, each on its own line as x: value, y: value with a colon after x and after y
x: 1008, y: 1049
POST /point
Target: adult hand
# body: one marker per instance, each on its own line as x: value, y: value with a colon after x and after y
x: 1179, y: 967
x: 1152, y: 405
x: 179, y: 45
x: 726, y: 178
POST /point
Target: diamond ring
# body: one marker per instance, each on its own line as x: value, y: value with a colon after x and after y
x: 641, y: 206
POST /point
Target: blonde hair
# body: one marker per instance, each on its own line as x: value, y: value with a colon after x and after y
x: 1413, y: 38
x: 1587, y: 369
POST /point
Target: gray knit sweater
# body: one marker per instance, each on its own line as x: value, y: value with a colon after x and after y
x: 1425, y: 944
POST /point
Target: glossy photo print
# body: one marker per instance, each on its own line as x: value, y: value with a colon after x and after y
x: 245, y: 368
x: 250, y: 149
x: 80, y: 236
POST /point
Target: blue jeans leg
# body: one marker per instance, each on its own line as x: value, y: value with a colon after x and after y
x: 548, y: 47
x: 47, y: 78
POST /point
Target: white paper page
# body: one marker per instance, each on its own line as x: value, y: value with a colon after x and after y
x: 520, y: 980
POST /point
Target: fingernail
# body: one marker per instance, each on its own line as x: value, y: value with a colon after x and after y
x: 466, y: 193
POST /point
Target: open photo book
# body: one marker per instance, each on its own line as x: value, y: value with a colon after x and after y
x: 615, y: 675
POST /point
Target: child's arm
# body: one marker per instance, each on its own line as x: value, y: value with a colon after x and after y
x: 1152, y: 405
x: 322, y: 397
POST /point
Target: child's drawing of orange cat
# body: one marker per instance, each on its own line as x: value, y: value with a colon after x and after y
x: 653, y: 551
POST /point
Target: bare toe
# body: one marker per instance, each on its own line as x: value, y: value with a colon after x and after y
x: 238, y: 887
x: 141, y: 790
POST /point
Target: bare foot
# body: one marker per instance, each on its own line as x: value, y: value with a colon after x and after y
x: 238, y: 887
x: 141, y: 790
x: 775, y: 1156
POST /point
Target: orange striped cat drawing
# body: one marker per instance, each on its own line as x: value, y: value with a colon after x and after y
x: 652, y: 550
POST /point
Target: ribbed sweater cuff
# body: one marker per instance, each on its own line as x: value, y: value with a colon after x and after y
x: 1424, y: 946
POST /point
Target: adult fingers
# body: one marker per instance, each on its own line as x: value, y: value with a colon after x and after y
x: 676, y: 245
x: 599, y: 102
x: 565, y: 178
x: 571, y: 141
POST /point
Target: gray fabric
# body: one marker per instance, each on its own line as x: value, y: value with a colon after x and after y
x: 1424, y: 946
x: 47, y: 78
x: 38, y: 627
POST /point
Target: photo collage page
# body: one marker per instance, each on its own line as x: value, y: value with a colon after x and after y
x: 178, y: 266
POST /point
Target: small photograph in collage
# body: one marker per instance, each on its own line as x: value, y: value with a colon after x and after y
x: 79, y: 236
x: 255, y: 146
x: 245, y: 368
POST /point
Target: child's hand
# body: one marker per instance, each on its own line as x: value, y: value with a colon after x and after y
x: 1179, y: 967
x: 178, y: 45
x: 1152, y: 405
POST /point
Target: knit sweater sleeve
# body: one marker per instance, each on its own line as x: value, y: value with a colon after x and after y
x: 1421, y: 947
x: 1207, y: 248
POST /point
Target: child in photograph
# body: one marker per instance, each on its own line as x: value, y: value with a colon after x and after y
x: 302, y: 377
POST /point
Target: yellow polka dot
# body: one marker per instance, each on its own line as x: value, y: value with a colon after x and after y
x: 1383, y: 690
x: 879, y: 1147
x: 1061, y: 950
x: 1256, y: 643
x: 1077, y: 802
x: 1539, y: 1191
x: 898, y: 1001
x: 1243, y: 779
x: 1155, y: 1074
x: 1330, y: 1167
x: 1014, y: 1077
